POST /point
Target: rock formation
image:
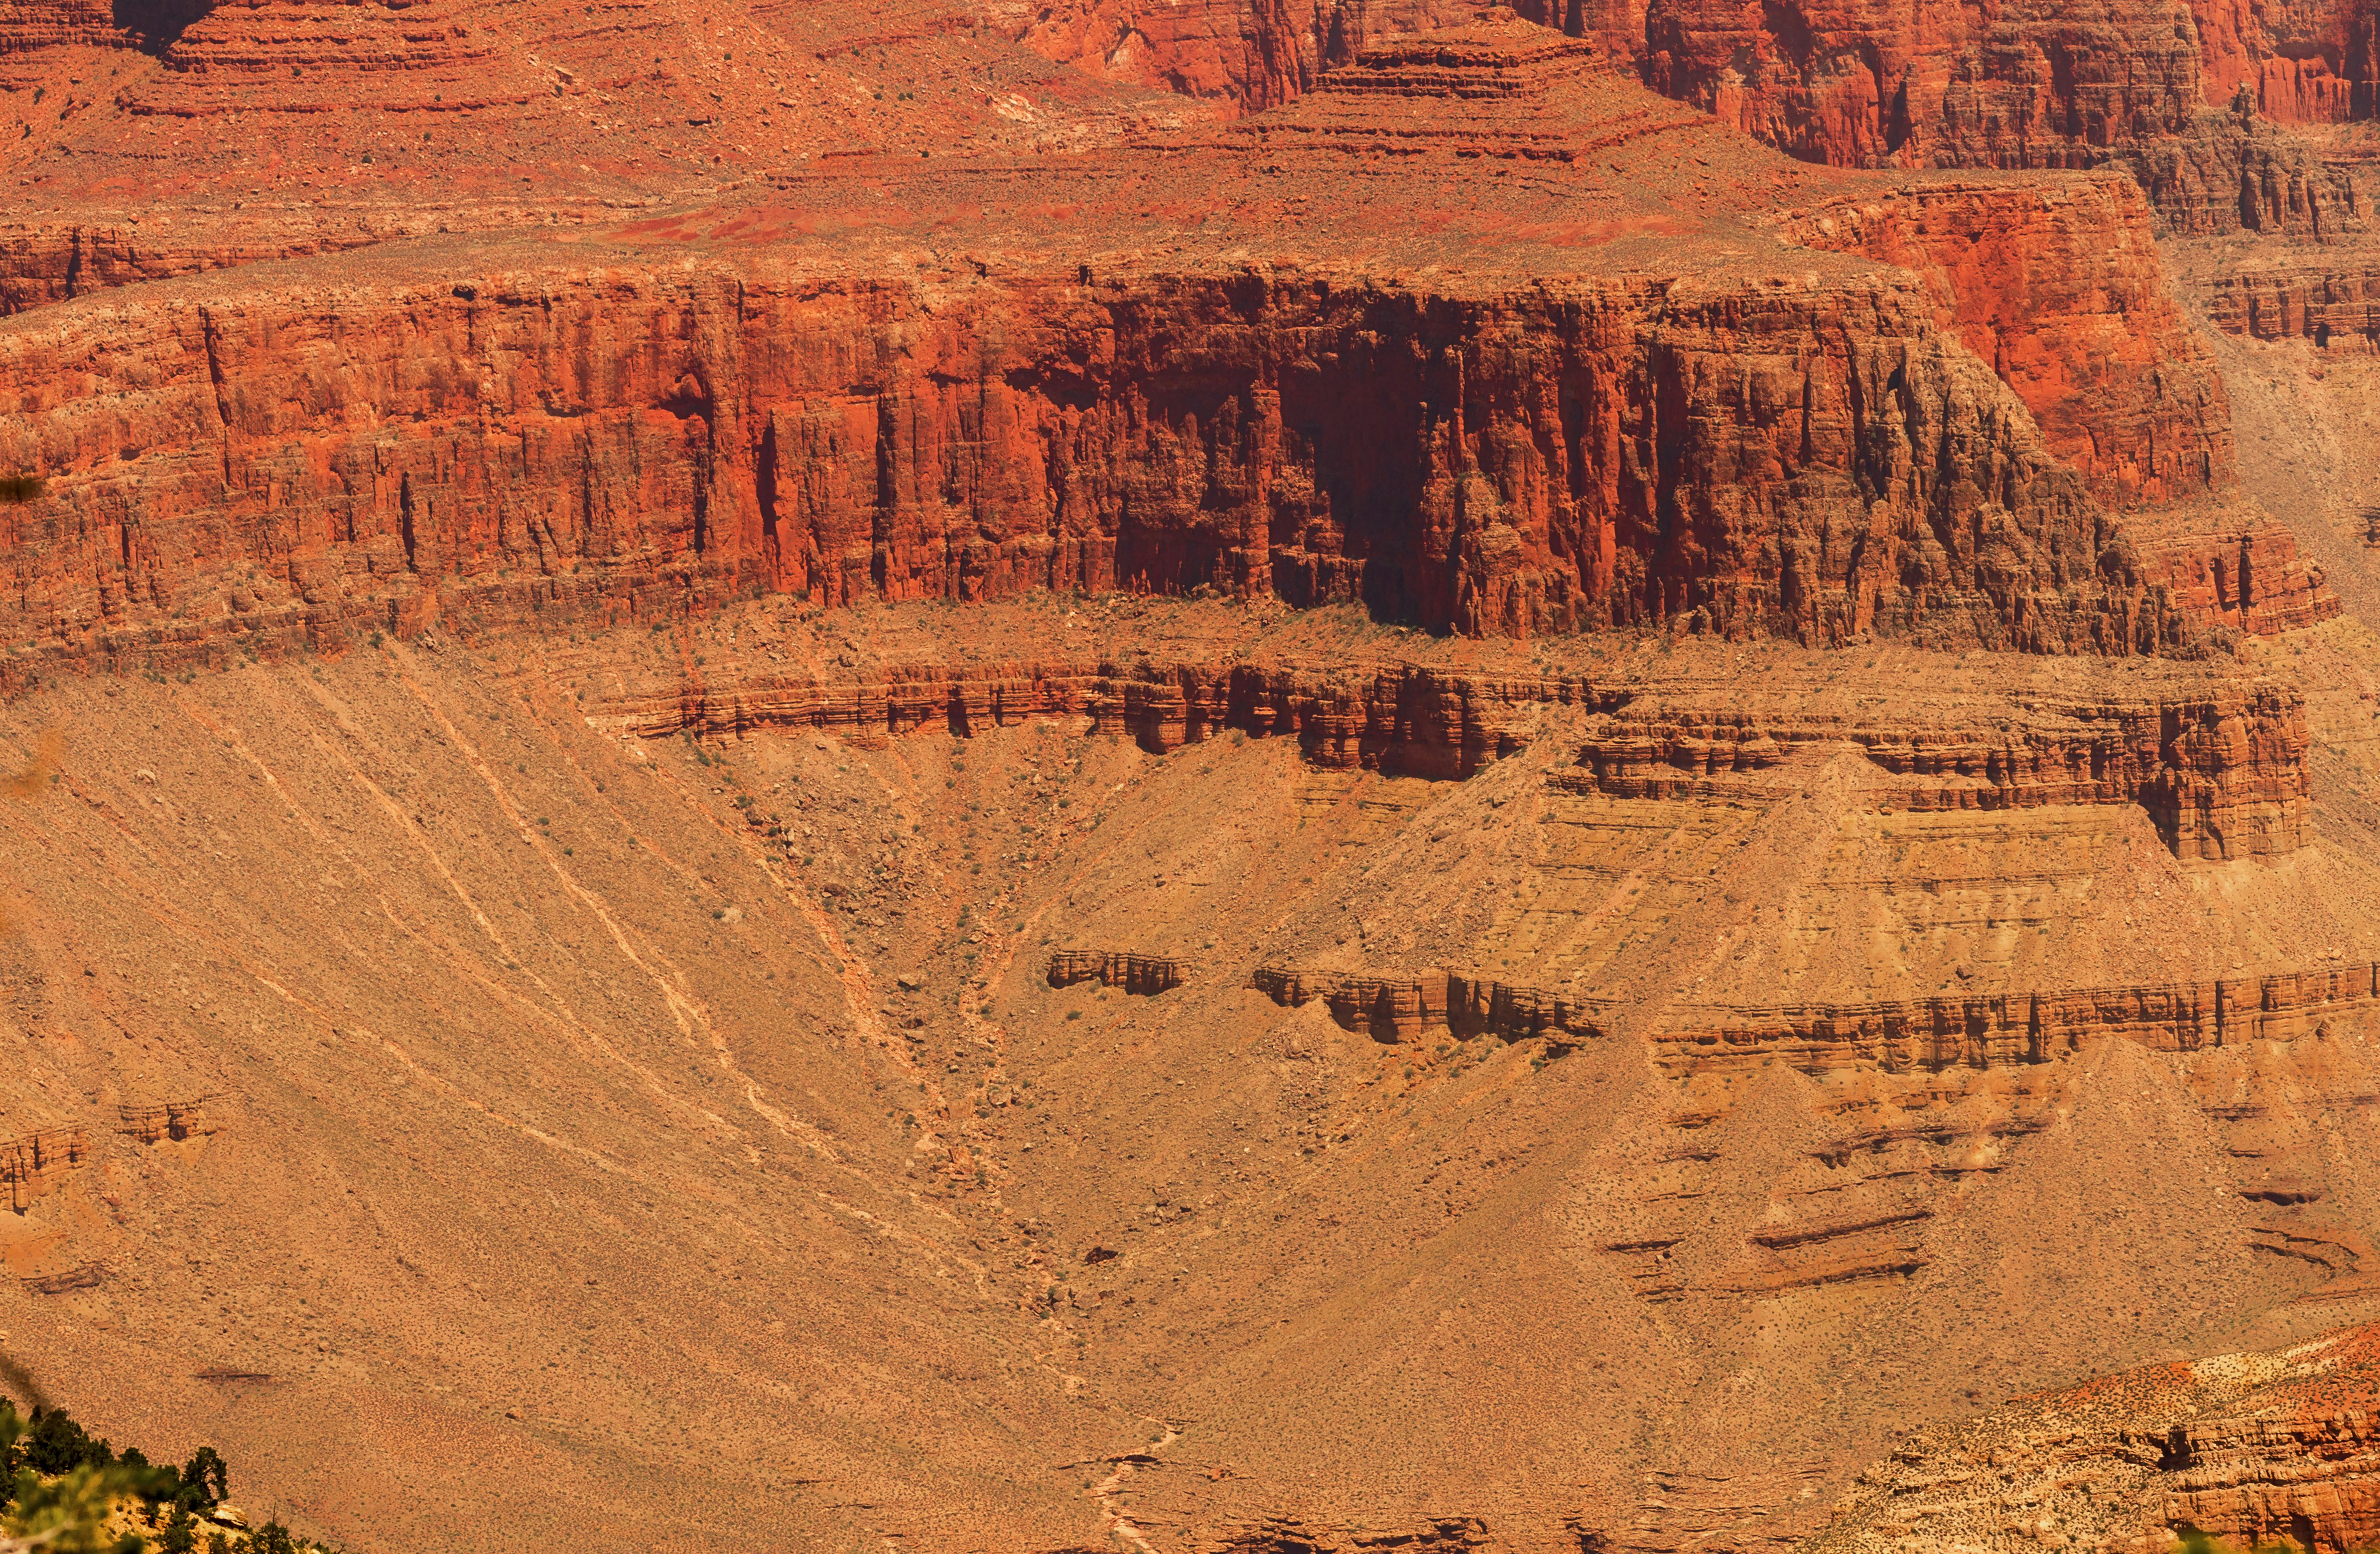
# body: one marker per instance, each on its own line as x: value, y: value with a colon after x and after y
x: 1494, y: 455
x: 2329, y: 301
x: 2249, y: 1450
x: 2198, y: 103
x: 1146, y: 975
x: 2220, y: 778
x: 1731, y: 814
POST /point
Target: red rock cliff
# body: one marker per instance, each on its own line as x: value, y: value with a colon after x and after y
x: 1242, y: 54
x: 2184, y: 96
x: 1816, y: 461
x: 2059, y: 286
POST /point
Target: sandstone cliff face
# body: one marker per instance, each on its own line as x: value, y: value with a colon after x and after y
x: 1144, y: 975
x: 1398, y: 719
x: 1997, y: 1030
x: 2059, y: 288
x: 2308, y: 62
x: 1819, y: 458
x: 43, y: 264
x: 1244, y: 55
x: 2147, y: 87
x: 2222, y: 775
x: 2184, y: 95
x: 1811, y: 460
x: 2021, y: 84
x: 2329, y: 301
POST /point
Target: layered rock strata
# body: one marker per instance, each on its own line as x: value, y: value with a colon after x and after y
x: 2222, y: 772
x: 1979, y: 1031
x: 2061, y: 291
x: 2245, y: 1451
x: 1397, y: 1009
x: 2223, y: 776
x: 2199, y: 102
x: 2328, y: 298
x: 1506, y: 453
x: 1400, y: 718
x: 1571, y: 459
x: 1144, y: 975
x: 1244, y: 56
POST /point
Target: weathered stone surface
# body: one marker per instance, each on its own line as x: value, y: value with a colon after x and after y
x: 1244, y: 56
x: 2222, y: 777
x: 2243, y: 1450
x: 1146, y: 975
x: 2061, y: 290
x: 1980, y: 1031
x: 623, y: 437
x: 1393, y: 718
x: 2185, y: 97
x: 2328, y: 298
x: 2147, y: 87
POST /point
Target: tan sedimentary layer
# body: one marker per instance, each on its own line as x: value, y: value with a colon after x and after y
x: 1984, y: 1030
x: 1398, y: 717
x: 2222, y: 775
x: 1115, y: 968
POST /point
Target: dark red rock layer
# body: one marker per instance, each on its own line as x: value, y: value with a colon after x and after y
x: 1244, y: 56
x: 2188, y: 104
x: 1579, y: 457
x: 2059, y: 287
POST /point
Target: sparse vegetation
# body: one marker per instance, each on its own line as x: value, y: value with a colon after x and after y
x: 64, y: 1489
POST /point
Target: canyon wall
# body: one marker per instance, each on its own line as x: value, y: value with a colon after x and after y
x: 1144, y: 975
x: 1242, y: 55
x: 2187, y: 97
x: 1395, y: 718
x: 2194, y: 100
x: 1817, y: 460
x: 2328, y: 298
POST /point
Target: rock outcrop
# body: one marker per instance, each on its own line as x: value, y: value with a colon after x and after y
x: 2245, y: 1451
x: 2197, y: 103
x: 1819, y: 453
x: 2152, y: 88
x: 32, y: 1164
x: 2222, y: 773
x: 1392, y: 718
x: 1244, y: 56
x: 2328, y: 298
x: 2059, y: 288
x: 1144, y: 975
x: 1579, y: 457
x: 1977, y: 1031
x: 2221, y: 777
